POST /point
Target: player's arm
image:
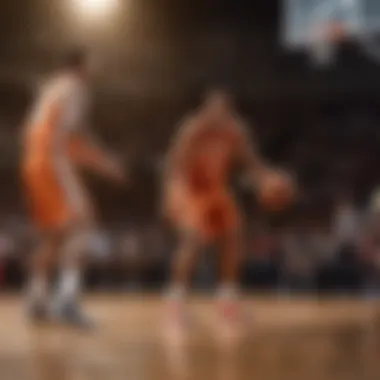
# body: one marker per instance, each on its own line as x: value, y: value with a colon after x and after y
x: 248, y: 153
x: 178, y: 154
x: 275, y: 186
x: 83, y: 147
x: 86, y: 151
x: 174, y: 164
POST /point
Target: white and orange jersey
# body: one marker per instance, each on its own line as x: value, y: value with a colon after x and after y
x: 51, y: 140
x: 58, y: 112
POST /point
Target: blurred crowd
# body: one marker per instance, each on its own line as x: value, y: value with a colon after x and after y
x: 342, y: 256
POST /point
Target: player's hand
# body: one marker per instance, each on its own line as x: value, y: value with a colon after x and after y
x: 254, y: 178
x: 276, y: 189
x: 116, y: 171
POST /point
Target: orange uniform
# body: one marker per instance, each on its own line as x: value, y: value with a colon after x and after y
x: 198, y: 194
x: 54, y: 192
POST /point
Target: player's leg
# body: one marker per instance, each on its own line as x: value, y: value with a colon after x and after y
x: 77, y: 216
x: 72, y: 260
x: 41, y: 266
x: 231, y: 252
x: 184, y: 261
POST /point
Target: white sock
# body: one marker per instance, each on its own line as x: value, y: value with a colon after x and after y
x: 37, y: 291
x: 227, y: 292
x: 175, y: 292
x: 69, y: 286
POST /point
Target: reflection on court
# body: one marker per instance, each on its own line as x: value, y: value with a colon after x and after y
x: 301, y: 339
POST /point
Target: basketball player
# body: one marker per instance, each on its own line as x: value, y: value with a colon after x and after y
x: 197, y: 197
x: 56, y: 143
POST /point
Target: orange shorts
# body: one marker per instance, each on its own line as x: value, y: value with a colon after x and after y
x: 50, y: 204
x: 211, y: 214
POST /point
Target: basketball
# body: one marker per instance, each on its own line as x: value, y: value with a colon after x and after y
x: 276, y: 191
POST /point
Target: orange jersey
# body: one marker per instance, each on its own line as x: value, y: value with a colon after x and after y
x: 53, y: 189
x: 198, y: 193
x: 208, y: 164
x: 205, y: 151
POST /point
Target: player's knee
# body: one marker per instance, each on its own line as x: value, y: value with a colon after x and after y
x: 192, y: 238
x: 233, y: 239
x: 78, y: 243
x: 41, y: 261
x: 82, y: 239
x: 46, y: 251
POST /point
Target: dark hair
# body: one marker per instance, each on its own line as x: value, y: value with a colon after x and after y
x: 75, y: 58
x: 220, y: 91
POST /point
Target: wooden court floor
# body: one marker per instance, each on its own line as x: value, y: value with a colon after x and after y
x: 282, y: 339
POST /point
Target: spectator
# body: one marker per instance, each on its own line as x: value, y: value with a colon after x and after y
x: 346, y: 225
x: 370, y: 248
x: 301, y: 255
x: 131, y: 260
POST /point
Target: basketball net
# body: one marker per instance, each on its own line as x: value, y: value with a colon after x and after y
x: 322, y: 53
x: 323, y: 42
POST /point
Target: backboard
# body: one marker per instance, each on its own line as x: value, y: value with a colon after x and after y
x: 359, y: 18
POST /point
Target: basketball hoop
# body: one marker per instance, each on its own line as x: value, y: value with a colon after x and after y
x: 322, y: 52
x: 323, y: 41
